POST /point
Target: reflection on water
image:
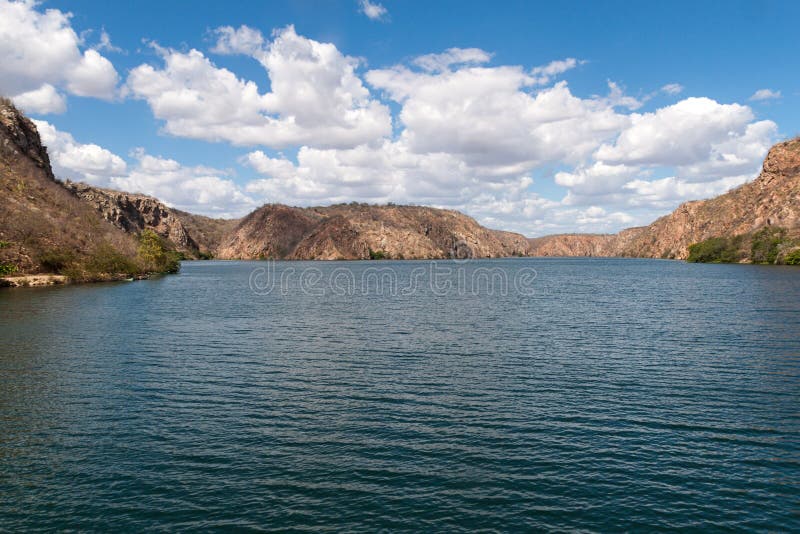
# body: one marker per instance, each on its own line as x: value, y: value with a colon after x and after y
x: 618, y: 394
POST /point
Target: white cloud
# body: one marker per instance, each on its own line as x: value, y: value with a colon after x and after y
x: 242, y: 40
x: 667, y: 192
x: 468, y: 136
x: 373, y: 11
x: 106, y: 44
x: 765, y: 94
x: 41, y: 48
x: 315, y: 98
x: 544, y: 74
x: 72, y: 160
x: 617, y: 97
x: 487, y: 117
x: 452, y: 56
x: 45, y: 99
x: 94, y: 76
x: 672, y: 89
x: 196, y: 189
x: 681, y: 134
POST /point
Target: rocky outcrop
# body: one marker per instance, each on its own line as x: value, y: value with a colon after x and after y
x: 772, y: 199
x: 19, y: 137
x: 355, y: 231
x: 134, y: 213
x: 194, y: 235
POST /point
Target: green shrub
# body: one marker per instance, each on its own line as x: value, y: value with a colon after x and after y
x: 716, y: 250
x: 155, y: 256
x: 5, y: 244
x: 56, y: 260
x: 766, y: 243
x: 793, y: 258
x: 378, y: 255
x: 7, y: 268
x: 107, y: 260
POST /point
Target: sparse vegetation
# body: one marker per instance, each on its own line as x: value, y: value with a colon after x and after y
x: 716, y: 250
x: 793, y: 258
x: 7, y: 268
x: 56, y: 261
x: 770, y: 245
x: 155, y: 256
x: 378, y: 254
x: 765, y: 245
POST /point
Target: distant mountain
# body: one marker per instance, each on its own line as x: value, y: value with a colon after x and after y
x: 362, y: 231
x: 771, y: 200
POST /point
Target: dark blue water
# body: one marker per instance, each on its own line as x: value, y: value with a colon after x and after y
x: 602, y: 395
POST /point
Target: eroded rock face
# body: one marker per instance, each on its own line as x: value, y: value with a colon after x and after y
x: 18, y: 134
x: 134, y: 213
x: 352, y: 231
x: 772, y: 199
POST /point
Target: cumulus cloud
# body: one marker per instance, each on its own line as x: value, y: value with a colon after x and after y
x: 372, y: 10
x: 45, y: 99
x: 316, y: 97
x: 41, y: 52
x: 196, y: 189
x: 487, y: 117
x: 85, y: 162
x: 242, y: 40
x: 467, y: 135
x: 680, y: 134
x: 765, y: 94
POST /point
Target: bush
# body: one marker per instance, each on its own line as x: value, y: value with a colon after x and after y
x: 5, y: 244
x: 56, y: 260
x: 7, y: 268
x: 765, y: 244
x: 155, y: 255
x: 716, y: 250
x: 107, y: 260
x: 793, y: 258
x: 378, y: 255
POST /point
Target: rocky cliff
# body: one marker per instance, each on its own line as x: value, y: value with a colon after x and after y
x: 359, y: 231
x: 772, y: 199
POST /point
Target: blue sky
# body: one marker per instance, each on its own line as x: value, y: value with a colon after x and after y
x: 542, y: 117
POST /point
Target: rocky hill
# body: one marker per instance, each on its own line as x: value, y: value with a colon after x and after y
x: 361, y: 231
x: 42, y: 224
x: 772, y: 199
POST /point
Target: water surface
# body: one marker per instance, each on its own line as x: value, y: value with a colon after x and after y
x: 617, y: 394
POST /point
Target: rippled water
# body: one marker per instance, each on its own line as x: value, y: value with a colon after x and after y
x: 620, y: 394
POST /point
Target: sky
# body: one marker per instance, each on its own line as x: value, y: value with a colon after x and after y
x: 536, y: 117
